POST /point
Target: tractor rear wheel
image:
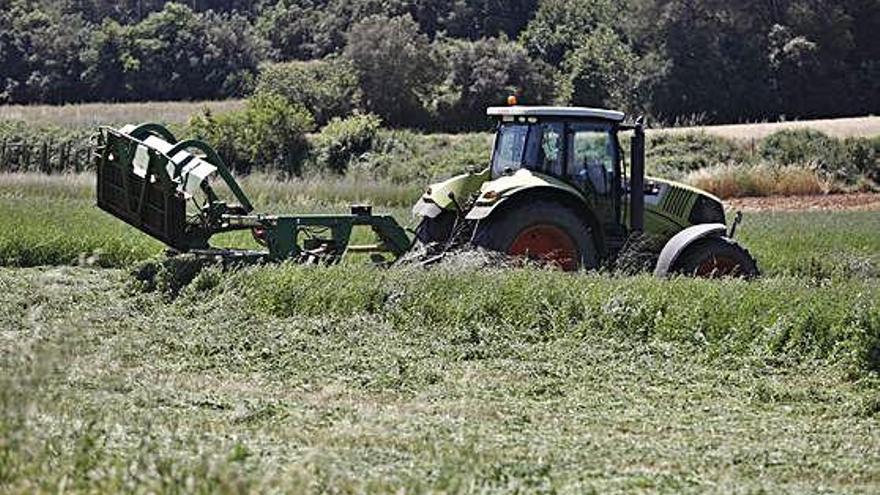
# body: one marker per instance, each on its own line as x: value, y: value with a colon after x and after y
x: 717, y: 257
x: 545, y: 231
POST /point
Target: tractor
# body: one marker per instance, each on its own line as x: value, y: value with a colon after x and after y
x: 556, y: 191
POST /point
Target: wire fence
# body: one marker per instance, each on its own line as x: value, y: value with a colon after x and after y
x: 48, y: 157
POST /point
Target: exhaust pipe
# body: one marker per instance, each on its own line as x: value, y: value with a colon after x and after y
x: 637, y: 179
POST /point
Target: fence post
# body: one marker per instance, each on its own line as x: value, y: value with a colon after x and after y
x: 44, y: 158
x: 3, y: 156
x: 65, y: 155
x: 26, y: 156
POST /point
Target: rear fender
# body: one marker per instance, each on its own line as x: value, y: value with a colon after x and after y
x: 681, y: 241
x: 532, y: 188
x: 439, y: 197
x: 500, y: 191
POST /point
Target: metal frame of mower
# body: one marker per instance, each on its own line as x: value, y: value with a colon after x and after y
x: 162, y: 187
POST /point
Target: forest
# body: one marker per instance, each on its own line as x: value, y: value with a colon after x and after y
x: 435, y: 64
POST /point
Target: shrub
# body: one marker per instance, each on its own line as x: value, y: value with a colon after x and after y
x: 864, y: 155
x: 268, y: 135
x: 344, y: 140
x: 327, y: 88
x: 674, y: 155
x: 809, y: 147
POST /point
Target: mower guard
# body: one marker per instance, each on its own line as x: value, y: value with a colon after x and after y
x: 163, y: 187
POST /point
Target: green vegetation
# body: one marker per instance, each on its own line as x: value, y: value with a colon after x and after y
x: 352, y: 378
x: 40, y: 210
x: 268, y: 135
x: 342, y: 141
x: 434, y: 64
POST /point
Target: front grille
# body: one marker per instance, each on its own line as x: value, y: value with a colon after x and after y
x: 676, y: 201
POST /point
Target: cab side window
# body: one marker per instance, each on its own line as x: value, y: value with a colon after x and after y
x: 592, y: 156
x: 545, y: 149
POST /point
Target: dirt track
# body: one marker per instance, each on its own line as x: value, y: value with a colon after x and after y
x: 825, y: 202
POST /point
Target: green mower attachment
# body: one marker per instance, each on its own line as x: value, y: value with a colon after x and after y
x: 166, y: 188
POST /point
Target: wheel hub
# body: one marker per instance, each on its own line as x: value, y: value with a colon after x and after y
x: 546, y: 243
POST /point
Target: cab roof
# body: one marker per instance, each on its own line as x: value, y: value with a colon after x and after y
x: 569, y: 112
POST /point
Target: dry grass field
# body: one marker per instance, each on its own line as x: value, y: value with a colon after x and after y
x: 94, y: 114
x: 840, y: 128
x: 97, y: 114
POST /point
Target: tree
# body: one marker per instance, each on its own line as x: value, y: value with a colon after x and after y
x: 395, y: 67
x: 327, y: 88
x: 178, y: 54
x: 484, y: 73
x: 39, y: 53
x: 715, y: 65
x: 472, y: 19
x: 601, y: 72
x: 107, y: 60
x: 559, y: 26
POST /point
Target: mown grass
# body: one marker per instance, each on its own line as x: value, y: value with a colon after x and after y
x: 353, y: 379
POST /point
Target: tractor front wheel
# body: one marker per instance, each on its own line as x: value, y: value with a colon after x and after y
x: 544, y: 231
x: 717, y: 257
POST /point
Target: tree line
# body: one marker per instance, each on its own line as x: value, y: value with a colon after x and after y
x: 436, y: 64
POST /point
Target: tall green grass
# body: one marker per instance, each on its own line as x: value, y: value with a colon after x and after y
x: 490, y: 312
x: 53, y: 220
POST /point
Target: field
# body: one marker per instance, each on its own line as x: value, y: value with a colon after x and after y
x: 355, y: 379
x: 840, y: 128
x: 96, y: 114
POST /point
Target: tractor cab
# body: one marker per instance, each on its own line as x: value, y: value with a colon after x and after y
x: 576, y: 145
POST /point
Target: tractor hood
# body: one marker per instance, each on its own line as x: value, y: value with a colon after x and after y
x: 680, y: 204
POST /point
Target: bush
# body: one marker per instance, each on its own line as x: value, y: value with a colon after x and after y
x: 674, y: 155
x: 864, y: 155
x: 407, y: 157
x: 807, y: 147
x: 327, y: 88
x: 342, y: 141
x: 268, y: 135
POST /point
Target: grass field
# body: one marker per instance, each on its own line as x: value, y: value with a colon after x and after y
x: 354, y: 379
x: 96, y: 114
x: 92, y: 115
x: 840, y: 128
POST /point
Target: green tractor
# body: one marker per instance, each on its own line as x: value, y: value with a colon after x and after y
x: 557, y: 191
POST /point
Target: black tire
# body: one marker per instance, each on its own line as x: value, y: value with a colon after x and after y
x: 437, y: 229
x: 717, y: 257
x: 499, y: 231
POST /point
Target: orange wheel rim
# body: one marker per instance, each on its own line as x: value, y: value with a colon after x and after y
x: 546, y: 243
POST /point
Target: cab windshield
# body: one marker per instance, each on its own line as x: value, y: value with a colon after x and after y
x: 533, y: 146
